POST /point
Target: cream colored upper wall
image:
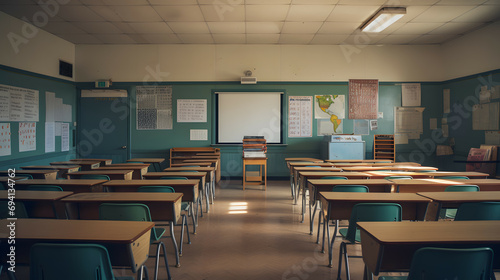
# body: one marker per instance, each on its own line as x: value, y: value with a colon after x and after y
x: 132, y: 63
x: 473, y: 53
x: 23, y: 46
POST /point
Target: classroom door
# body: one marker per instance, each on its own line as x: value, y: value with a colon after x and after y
x: 103, y: 126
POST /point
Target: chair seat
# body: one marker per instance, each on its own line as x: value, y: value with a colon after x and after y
x: 343, y: 232
x: 185, y: 206
x: 125, y: 278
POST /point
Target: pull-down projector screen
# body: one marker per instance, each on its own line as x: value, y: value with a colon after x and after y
x: 248, y: 114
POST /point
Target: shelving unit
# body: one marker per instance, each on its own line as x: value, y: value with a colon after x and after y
x: 383, y: 147
x: 254, y: 153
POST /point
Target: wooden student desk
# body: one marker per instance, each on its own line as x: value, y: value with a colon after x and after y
x: 210, y: 182
x: 439, y: 185
x: 76, y: 185
x: 188, y: 187
x: 427, y: 175
x: 392, y: 168
x: 298, y: 169
x: 201, y: 164
x: 294, y: 178
x: 49, y: 174
x: 137, y: 168
x: 40, y: 204
x: 85, y: 164
x: 111, y: 173
x: 103, y: 161
x: 127, y: 242
x: 358, y: 160
x: 214, y: 160
x: 389, y: 246
x: 326, y: 185
x: 155, y: 162
x: 453, y: 200
x: 6, y: 180
x: 338, y: 206
x: 62, y: 170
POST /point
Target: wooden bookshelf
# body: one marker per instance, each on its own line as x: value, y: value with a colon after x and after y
x: 384, y: 147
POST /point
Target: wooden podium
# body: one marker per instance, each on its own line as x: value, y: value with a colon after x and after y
x: 254, y: 153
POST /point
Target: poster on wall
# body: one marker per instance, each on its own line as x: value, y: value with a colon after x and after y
x: 332, y: 108
x: 154, y: 107
x: 191, y: 110
x: 50, y: 137
x: 5, y: 142
x: 363, y: 99
x: 18, y: 104
x: 27, y: 136
x: 411, y: 94
x: 64, y: 137
x: 300, y: 116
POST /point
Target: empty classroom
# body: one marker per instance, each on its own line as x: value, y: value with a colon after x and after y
x: 283, y: 139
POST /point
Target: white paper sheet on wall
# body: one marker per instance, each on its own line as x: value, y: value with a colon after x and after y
x: 65, y: 137
x: 401, y: 139
x: 198, y: 134
x: 18, y: 104
x: 154, y: 107
x: 50, y: 106
x: 300, y: 116
x: 27, y: 136
x: 191, y: 110
x: 5, y: 139
x: 361, y: 127
x: 486, y: 116
x: 50, y: 137
x: 4, y: 105
x: 492, y: 137
x: 411, y: 94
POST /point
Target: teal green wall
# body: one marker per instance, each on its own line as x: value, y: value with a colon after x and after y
x: 63, y: 89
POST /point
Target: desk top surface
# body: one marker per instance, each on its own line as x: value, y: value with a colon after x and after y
x: 462, y: 196
x: 373, y: 197
x: 33, y: 171
x: 332, y: 173
x: 129, y: 168
x: 205, y: 169
x: 325, y: 168
x: 190, y: 182
x: 367, y: 182
x: 78, y: 230
x: 35, y: 195
x: 77, y: 162
x: 55, y: 167
x: 444, y: 182
x: 130, y: 164
x: 303, y: 159
x: 175, y: 174
x: 441, y: 232
x: 68, y: 182
x: 429, y: 174
x: 200, y: 160
x: 124, y: 196
x: 148, y: 160
x: 299, y: 163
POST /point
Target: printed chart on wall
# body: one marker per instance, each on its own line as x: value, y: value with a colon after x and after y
x: 191, y: 110
x: 363, y: 99
x: 300, y: 116
x: 27, y: 136
x: 154, y: 107
x: 5, y: 142
x: 408, y: 123
x: 18, y: 104
x: 329, y: 110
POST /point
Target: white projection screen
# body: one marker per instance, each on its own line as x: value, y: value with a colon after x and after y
x: 249, y: 114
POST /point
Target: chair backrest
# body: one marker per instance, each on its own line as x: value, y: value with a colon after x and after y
x: 350, y: 188
x: 462, y: 188
x: 19, y: 211
x: 166, y: 189
x: 124, y: 212
x: 372, y: 212
x: 173, y: 178
x: 44, y: 188
x: 472, y: 211
x: 398, y: 177
x: 335, y: 177
x: 95, y: 176
x: 70, y: 261
x: 445, y: 263
x: 452, y: 177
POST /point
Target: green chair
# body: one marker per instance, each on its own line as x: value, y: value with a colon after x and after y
x: 452, y: 177
x: 350, y: 188
x: 95, y: 177
x: 472, y: 211
x: 139, y: 212
x: 446, y: 263
x: 426, y: 171
x: 73, y: 261
x: 398, y: 177
x: 44, y: 188
x: 7, y: 211
x: 451, y: 213
x: 363, y: 212
x: 334, y: 178
x: 184, y: 207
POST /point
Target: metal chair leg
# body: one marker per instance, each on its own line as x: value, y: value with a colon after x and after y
x: 143, y: 271
x: 172, y: 235
x: 160, y: 246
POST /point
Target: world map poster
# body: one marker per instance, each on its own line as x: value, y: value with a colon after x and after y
x: 332, y: 108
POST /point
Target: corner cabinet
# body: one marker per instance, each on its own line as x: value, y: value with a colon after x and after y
x: 383, y: 147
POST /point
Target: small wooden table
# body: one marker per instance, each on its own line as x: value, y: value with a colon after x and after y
x: 85, y: 164
x: 255, y: 177
x: 127, y: 242
x: 155, y: 162
x: 62, y: 170
x: 137, y: 168
x: 111, y: 173
x: 103, y: 161
x: 453, y: 200
x: 40, y: 204
x: 326, y: 185
x: 389, y: 246
x: 439, y: 185
x: 338, y: 206
x: 49, y: 174
x: 76, y: 185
